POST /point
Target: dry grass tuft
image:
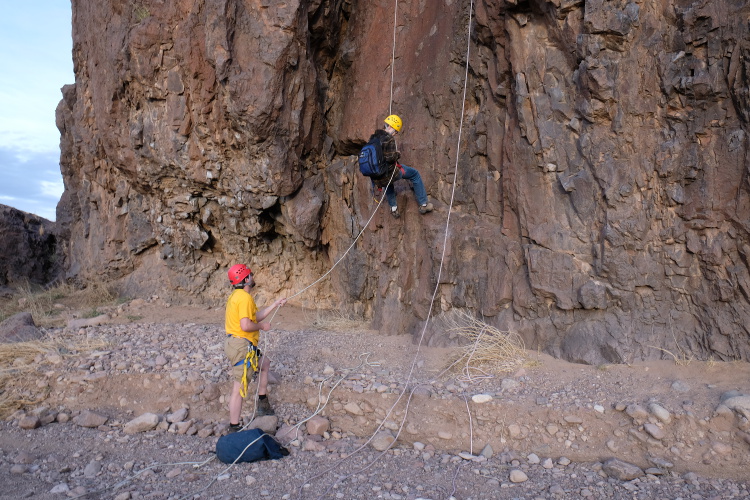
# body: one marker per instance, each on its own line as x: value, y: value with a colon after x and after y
x: 338, y: 320
x: 488, y: 350
x: 18, y: 362
x: 43, y: 303
x: 683, y: 358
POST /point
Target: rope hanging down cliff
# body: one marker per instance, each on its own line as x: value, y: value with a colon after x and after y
x: 390, y: 181
x: 432, y: 301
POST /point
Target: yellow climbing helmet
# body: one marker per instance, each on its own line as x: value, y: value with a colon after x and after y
x: 395, y: 122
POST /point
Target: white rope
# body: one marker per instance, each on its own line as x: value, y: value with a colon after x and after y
x: 393, y: 173
x: 393, y: 56
x: 434, y: 294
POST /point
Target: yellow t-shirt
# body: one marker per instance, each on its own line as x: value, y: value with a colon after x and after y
x: 240, y: 305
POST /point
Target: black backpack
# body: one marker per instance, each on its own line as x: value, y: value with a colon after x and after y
x: 248, y: 446
x: 371, y: 161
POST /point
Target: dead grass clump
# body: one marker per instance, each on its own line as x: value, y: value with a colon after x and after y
x: 338, y: 320
x: 46, y: 304
x: 488, y: 349
x: 20, y: 360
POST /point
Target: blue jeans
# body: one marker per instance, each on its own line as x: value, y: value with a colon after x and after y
x: 410, y: 174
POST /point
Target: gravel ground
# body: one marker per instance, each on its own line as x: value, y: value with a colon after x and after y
x: 549, y: 430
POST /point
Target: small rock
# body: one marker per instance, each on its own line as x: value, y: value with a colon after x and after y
x: 90, y: 419
x: 60, y: 488
x: 487, y: 451
x: 556, y: 490
x: 481, y: 398
x: 19, y: 469
x: 445, y: 434
x: 92, y: 469
x: 623, y: 471
x: 318, y: 425
x: 29, y: 422
x: 178, y: 416
x: 143, y: 423
x: 661, y: 463
x: 740, y: 404
x: 573, y: 419
x: 721, y: 448
x: 660, y: 412
x: 382, y: 440
x: 266, y: 423
x: 518, y: 476
x: 353, y: 408
x: 654, y: 430
x: 533, y: 459
x: 636, y: 412
x: 514, y: 430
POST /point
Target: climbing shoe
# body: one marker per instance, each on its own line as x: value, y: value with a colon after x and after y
x: 394, y: 212
x: 264, y: 408
x: 423, y: 209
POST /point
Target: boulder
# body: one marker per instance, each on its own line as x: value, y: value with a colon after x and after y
x: 20, y: 328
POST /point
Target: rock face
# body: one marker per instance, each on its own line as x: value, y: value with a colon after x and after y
x: 29, y: 248
x: 601, y: 202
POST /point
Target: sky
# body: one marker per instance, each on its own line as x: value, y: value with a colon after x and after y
x: 35, y: 62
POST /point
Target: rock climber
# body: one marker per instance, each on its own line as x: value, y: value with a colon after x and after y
x: 243, y: 322
x: 391, y: 155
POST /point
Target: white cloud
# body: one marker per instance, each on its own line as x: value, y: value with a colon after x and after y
x: 52, y: 189
x: 36, y: 62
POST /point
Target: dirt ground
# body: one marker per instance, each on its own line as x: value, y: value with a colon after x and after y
x: 557, y: 423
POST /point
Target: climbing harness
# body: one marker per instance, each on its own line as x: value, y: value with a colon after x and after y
x: 251, y: 360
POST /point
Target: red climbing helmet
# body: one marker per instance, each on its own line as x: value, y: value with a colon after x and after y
x: 237, y: 273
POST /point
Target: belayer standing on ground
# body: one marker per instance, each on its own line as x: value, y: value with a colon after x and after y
x: 390, y: 157
x: 243, y: 325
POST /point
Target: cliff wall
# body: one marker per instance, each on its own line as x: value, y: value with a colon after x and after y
x: 601, y: 203
x: 30, y: 249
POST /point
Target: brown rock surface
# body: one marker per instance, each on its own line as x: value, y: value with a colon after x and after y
x: 28, y: 248
x: 601, y: 205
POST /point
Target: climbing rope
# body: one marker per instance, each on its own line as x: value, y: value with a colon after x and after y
x: 435, y: 291
x: 393, y: 55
